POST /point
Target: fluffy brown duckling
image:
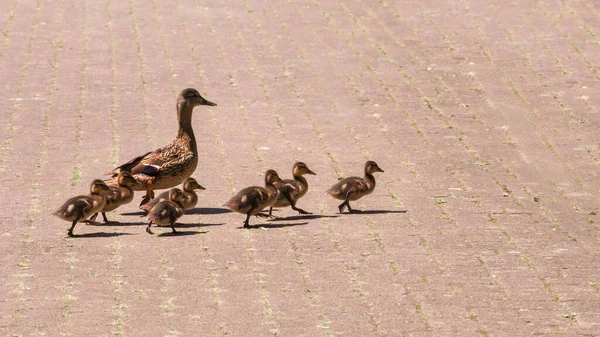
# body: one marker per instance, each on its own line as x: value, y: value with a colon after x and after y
x: 118, y: 195
x: 168, y: 166
x: 167, y: 212
x: 79, y: 208
x: 254, y: 199
x: 290, y: 191
x: 354, y: 188
x: 189, y: 186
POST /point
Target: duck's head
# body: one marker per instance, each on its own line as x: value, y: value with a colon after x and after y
x: 126, y: 179
x: 177, y: 195
x: 271, y: 177
x: 300, y: 168
x: 98, y: 186
x: 372, y: 167
x: 190, y: 184
x: 191, y: 97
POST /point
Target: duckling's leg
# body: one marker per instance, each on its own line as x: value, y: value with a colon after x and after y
x: 93, y: 217
x: 104, y: 217
x: 342, y: 206
x: 148, y: 228
x: 173, y: 227
x: 247, y: 221
x: 299, y: 210
x: 70, y: 232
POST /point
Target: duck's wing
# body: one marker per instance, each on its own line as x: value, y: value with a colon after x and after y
x: 153, y: 163
x: 131, y: 166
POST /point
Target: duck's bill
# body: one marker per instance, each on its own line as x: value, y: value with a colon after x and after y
x: 380, y: 170
x: 209, y: 103
x: 311, y: 172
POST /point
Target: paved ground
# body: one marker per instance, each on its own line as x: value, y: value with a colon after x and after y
x: 483, y: 115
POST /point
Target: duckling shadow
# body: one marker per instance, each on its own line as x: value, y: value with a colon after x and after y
x: 193, y: 225
x: 375, y: 211
x: 180, y: 233
x: 208, y: 210
x: 139, y: 213
x: 277, y: 225
x: 304, y: 217
x: 120, y: 224
x: 100, y: 235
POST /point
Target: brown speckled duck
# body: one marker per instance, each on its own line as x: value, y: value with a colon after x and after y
x: 167, y: 212
x: 168, y: 166
x: 79, y: 208
x: 254, y: 199
x: 354, y: 188
x: 189, y: 186
x: 118, y: 195
x: 290, y: 191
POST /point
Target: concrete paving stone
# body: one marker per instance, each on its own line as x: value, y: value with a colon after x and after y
x: 482, y: 114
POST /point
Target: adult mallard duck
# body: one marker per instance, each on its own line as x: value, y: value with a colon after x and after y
x: 189, y: 186
x: 354, y: 188
x: 118, y: 195
x: 290, y: 191
x: 168, y: 166
x: 79, y: 208
x: 167, y: 212
x: 254, y: 199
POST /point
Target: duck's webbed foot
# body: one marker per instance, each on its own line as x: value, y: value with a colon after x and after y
x: 149, y: 193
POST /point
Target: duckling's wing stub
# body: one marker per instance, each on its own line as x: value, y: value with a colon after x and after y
x: 76, y: 207
x: 288, y: 190
x: 347, y: 186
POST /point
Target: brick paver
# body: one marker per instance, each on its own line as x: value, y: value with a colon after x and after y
x: 483, y: 115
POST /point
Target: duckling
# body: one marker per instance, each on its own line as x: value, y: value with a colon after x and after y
x: 79, y: 208
x: 290, y: 191
x: 118, y: 195
x: 354, y: 188
x: 189, y: 186
x: 168, y: 166
x: 166, y: 212
x: 254, y: 199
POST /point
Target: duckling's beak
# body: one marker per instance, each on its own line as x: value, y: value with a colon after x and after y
x: 379, y: 169
x: 199, y: 187
x: 311, y: 172
x: 209, y: 103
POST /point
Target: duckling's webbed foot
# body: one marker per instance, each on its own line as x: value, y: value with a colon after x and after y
x: 300, y: 210
x: 148, y: 228
x: 173, y: 228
